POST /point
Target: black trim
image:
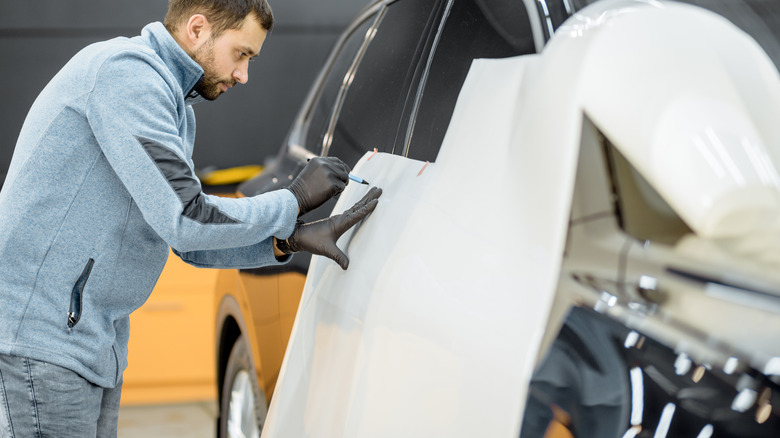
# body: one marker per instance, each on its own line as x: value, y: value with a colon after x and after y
x: 117, y: 375
x: 193, y: 93
x: 284, y: 246
x: 187, y: 187
x: 76, y: 296
x: 298, y: 263
x: 718, y: 279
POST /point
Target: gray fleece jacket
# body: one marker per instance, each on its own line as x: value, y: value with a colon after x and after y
x: 100, y: 185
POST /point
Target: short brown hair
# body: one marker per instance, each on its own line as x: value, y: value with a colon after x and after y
x: 222, y: 14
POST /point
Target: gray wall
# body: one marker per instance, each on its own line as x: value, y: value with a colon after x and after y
x: 244, y: 126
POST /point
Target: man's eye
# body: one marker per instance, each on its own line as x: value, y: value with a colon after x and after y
x: 242, y: 55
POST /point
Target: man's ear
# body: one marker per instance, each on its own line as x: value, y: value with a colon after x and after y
x: 197, y: 31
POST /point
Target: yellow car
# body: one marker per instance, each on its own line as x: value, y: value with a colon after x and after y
x: 254, y: 320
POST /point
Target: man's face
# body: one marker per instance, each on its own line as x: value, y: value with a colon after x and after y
x: 225, y: 59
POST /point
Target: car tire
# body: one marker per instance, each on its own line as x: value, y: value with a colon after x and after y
x: 243, y: 407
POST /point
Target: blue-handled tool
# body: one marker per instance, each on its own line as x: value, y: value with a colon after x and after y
x: 358, y: 179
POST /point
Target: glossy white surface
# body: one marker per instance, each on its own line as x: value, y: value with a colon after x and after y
x: 434, y: 329
x: 690, y: 107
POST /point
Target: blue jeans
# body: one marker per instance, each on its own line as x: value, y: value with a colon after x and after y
x: 38, y: 399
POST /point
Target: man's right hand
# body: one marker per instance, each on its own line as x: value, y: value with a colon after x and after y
x: 321, y: 179
x: 320, y: 237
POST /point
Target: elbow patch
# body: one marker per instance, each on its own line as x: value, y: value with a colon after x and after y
x: 184, y: 184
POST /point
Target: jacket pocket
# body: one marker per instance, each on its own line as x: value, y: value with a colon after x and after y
x: 74, y: 314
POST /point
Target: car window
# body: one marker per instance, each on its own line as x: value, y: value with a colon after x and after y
x: 642, y: 213
x: 468, y: 34
x: 322, y: 108
x: 372, y: 108
x: 552, y: 13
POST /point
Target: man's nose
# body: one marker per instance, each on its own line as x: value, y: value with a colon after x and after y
x: 241, y: 74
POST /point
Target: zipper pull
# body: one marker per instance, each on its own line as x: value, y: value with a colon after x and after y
x: 72, y: 319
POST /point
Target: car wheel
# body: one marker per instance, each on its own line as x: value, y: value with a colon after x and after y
x: 243, y: 404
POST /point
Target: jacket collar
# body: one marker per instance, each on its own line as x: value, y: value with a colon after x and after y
x: 186, y: 71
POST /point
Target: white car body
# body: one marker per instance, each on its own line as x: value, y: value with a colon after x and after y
x: 438, y: 324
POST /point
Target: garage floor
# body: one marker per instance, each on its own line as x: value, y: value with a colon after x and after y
x: 188, y: 420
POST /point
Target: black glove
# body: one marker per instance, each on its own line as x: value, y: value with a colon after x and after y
x: 321, y: 179
x: 320, y: 237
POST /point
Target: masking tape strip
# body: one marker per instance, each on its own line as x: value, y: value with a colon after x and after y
x: 423, y: 168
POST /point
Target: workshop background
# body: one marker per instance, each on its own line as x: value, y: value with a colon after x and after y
x: 170, y: 387
x: 246, y: 125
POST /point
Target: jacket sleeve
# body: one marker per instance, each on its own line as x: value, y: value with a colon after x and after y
x: 135, y: 110
x: 247, y: 257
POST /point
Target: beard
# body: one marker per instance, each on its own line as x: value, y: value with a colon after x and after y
x: 209, y: 87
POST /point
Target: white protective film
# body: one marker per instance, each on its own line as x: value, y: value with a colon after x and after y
x: 433, y: 329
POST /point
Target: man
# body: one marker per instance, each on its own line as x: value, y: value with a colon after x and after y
x: 101, y: 184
